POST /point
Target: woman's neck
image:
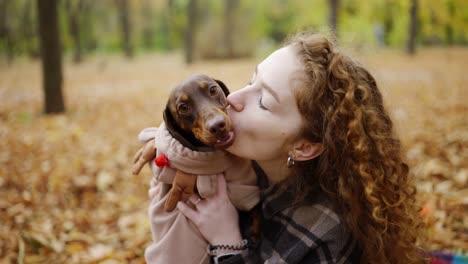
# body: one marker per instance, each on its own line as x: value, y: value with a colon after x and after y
x: 275, y: 170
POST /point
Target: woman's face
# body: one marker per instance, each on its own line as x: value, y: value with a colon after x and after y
x: 264, y: 114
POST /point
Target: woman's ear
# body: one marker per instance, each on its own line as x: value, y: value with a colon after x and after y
x: 305, y: 150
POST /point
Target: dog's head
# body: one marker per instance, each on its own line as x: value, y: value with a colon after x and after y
x: 196, y: 111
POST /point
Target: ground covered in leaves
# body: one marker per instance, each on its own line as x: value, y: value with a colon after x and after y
x: 66, y: 191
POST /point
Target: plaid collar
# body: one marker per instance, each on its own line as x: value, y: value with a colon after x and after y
x: 275, y: 198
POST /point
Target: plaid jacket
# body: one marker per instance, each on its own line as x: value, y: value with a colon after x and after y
x: 297, y: 233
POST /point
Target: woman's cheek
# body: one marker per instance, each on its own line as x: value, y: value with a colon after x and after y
x: 240, y: 120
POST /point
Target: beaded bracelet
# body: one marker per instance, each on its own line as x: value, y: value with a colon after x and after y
x: 214, y: 250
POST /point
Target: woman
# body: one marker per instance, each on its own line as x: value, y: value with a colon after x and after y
x: 335, y: 189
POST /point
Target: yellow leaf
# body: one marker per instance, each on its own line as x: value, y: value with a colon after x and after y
x: 75, y: 247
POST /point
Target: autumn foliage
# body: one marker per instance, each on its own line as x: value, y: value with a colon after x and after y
x: 66, y: 190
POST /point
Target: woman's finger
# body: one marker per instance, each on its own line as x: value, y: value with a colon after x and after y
x: 221, y: 185
x: 188, y: 212
x: 137, y: 155
x: 195, y: 199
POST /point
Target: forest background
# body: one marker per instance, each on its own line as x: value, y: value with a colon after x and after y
x: 80, y: 78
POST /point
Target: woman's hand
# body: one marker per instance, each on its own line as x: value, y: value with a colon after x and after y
x: 143, y: 155
x: 215, y: 217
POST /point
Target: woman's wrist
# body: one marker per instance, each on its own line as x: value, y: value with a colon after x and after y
x: 233, y: 239
x: 219, y: 249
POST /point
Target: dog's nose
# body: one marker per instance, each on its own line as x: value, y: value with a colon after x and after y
x: 218, y: 127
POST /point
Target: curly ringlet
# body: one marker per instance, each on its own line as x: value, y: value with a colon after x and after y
x: 360, y: 168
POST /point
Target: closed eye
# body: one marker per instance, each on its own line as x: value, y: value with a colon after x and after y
x: 261, y: 105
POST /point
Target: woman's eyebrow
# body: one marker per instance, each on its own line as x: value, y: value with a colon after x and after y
x: 267, y: 87
x: 271, y: 91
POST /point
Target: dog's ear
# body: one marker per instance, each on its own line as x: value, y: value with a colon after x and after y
x: 169, y: 119
x: 223, y: 86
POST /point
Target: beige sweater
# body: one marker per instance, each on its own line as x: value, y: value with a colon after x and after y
x: 172, y: 232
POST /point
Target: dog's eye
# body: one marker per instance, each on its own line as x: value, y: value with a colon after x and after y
x: 183, y: 108
x: 213, y: 90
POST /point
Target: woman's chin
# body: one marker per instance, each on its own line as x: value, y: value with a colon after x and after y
x: 233, y: 148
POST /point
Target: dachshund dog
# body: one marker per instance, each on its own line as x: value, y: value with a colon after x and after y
x: 196, y: 116
x: 189, y: 152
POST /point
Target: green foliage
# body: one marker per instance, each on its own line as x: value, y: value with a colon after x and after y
x: 161, y: 24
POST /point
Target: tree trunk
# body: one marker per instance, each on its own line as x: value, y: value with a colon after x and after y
x: 51, y: 55
x: 125, y: 23
x: 449, y: 32
x: 5, y: 29
x: 74, y: 27
x: 190, y: 33
x: 412, y: 30
x: 333, y: 18
x: 388, y: 21
x: 168, y: 26
x: 148, y: 18
x: 88, y: 38
x: 29, y: 31
x: 230, y: 7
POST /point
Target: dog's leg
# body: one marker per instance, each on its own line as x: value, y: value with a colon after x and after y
x: 182, y: 188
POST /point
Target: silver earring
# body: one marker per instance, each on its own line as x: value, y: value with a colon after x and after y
x: 290, y: 162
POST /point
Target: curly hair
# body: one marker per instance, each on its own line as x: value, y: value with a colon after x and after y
x: 360, y: 168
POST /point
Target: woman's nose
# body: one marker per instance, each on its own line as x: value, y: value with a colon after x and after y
x: 234, y: 100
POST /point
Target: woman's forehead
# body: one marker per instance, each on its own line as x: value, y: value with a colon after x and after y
x: 282, y: 66
x: 282, y: 55
x: 283, y: 61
